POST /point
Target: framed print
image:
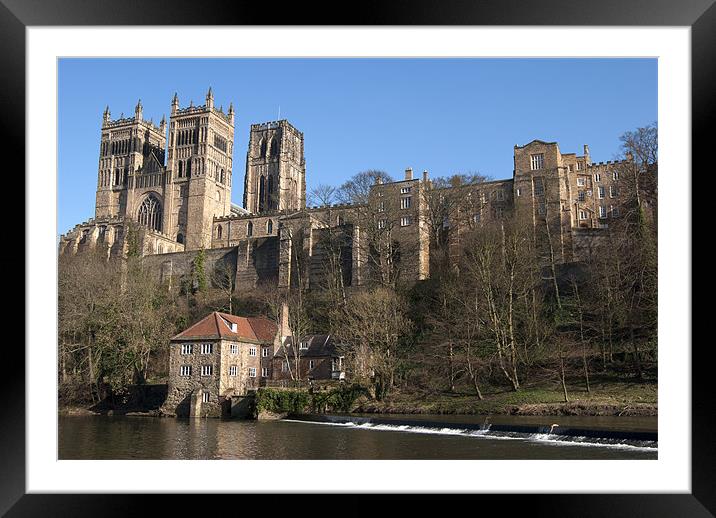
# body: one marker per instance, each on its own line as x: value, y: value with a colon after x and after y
x: 424, y: 256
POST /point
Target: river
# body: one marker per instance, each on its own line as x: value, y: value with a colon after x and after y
x: 117, y: 437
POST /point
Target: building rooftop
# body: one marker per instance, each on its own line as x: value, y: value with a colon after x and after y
x: 318, y: 346
x: 218, y: 325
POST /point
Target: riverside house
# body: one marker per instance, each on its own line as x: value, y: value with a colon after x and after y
x: 222, y: 358
x: 219, y: 357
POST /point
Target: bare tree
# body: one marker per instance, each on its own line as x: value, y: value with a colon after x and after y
x: 375, y: 326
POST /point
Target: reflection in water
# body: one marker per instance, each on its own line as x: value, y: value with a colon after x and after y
x: 157, y: 438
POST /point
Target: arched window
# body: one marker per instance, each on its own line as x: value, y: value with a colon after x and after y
x: 250, y: 229
x: 262, y: 148
x: 274, y: 147
x: 181, y: 168
x: 270, y: 193
x: 218, y: 232
x: 150, y: 213
x: 180, y: 238
x: 262, y: 192
x: 188, y: 168
x: 218, y: 195
x: 221, y: 176
x: 269, y: 227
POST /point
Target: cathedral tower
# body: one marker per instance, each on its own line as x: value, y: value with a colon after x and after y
x: 275, y: 169
x: 201, y: 142
x: 126, y: 145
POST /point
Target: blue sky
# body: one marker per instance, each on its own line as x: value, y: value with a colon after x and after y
x: 443, y: 115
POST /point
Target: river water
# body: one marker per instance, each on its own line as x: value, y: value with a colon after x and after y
x: 116, y: 437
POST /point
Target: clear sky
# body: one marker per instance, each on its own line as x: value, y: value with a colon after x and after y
x: 443, y: 115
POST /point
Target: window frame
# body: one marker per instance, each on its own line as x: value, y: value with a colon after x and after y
x: 536, y: 161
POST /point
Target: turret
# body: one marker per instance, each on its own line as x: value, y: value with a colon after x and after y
x: 175, y: 103
x: 163, y: 125
x: 138, y: 111
x: 231, y: 113
x: 209, y: 99
x: 105, y: 116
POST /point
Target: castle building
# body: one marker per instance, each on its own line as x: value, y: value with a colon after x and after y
x: 165, y: 193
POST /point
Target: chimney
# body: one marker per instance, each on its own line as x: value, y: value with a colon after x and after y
x: 425, y: 176
x: 378, y: 180
x: 409, y: 173
x: 284, y: 328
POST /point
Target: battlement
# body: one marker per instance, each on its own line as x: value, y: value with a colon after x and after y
x: 283, y: 123
x: 129, y: 121
x: 608, y: 163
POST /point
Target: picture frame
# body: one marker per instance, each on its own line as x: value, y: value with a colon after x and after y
x: 700, y: 15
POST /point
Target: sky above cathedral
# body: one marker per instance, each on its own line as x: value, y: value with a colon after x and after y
x: 444, y: 115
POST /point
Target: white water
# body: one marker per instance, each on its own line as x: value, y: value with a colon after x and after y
x: 546, y: 438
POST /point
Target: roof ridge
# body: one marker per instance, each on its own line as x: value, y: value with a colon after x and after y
x: 216, y: 322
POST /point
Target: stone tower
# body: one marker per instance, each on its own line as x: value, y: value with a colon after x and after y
x: 201, y: 142
x: 126, y: 147
x: 275, y: 169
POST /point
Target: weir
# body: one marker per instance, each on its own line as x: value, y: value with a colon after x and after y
x: 527, y: 430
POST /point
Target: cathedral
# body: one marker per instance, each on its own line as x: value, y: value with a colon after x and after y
x: 164, y: 193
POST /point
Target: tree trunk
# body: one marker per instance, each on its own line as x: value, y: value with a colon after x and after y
x: 635, y: 350
x: 562, y: 377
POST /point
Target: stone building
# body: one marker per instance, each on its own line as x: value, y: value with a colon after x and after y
x: 318, y: 359
x: 165, y: 190
x: 219, y: 357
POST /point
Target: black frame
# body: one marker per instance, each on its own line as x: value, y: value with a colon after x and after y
x: 700, y: 15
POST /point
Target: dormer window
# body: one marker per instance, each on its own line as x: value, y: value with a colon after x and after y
x: 303, y: 345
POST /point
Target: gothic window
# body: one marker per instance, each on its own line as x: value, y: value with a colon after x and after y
x: 150, y: 213
x: 262, y: 192
x: 270, y: 193
x: 262, y: 148
x: 188, y: 168
x: 221, y: 176
x: 181, y: 169
x: 102, y: 234
x: 218, y: 232
x: 250, y: 229
x: 269, y: 227
x: 274, y: 147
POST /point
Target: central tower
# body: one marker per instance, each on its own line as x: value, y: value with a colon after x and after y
x: 275, y: 169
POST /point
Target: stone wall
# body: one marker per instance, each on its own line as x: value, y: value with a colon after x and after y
x: 182, y: 388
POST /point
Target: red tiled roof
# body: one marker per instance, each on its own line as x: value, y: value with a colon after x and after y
x: 218, y: 325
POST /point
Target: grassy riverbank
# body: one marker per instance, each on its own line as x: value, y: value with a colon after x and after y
x: 606, y: 397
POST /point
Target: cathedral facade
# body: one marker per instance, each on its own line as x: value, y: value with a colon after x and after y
x: 164, y: 193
